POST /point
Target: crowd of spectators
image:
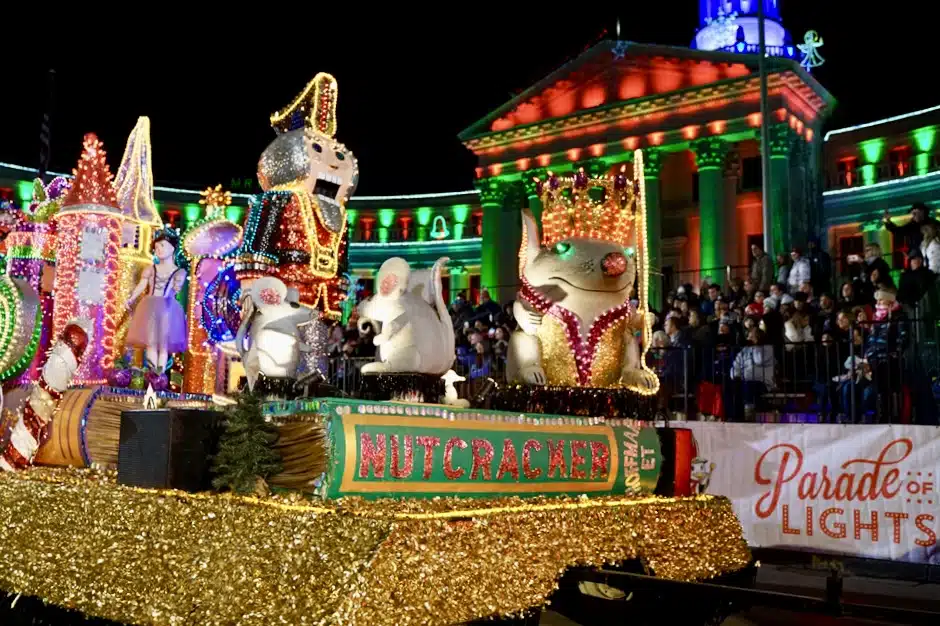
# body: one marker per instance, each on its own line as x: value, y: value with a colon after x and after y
x: 794, y: 334
x: 791, y: 335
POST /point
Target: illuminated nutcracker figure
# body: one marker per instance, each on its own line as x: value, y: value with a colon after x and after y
x: 296, y: 229
x: 88, y: 269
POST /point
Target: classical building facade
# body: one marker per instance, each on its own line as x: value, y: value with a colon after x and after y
x: 695, y: 113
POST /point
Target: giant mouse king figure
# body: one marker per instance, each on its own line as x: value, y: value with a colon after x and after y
x: 577, y: 326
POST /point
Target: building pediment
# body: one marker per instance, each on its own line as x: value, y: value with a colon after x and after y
x: 621, y: 82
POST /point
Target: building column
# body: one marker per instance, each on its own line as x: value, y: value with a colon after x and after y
x: 799, y: 212
x: 532, y: 196
x: 459, y: 281
x: 732, y: 224
x: 781, y: 143
x: 502, y: 234
x: 652, y: 166
x: 710, y: 159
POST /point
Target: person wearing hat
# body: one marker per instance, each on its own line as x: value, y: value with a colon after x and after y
x: 910, y: 233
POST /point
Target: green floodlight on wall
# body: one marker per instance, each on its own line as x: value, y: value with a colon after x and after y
x: 234, y: 213
x: 191, y: 213
x: 386, y: 217
x: 24, y: 192
x: 872, y: 150
x: 924, y: 138
x: 423, y: 215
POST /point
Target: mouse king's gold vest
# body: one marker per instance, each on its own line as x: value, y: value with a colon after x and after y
x: 570, y: 359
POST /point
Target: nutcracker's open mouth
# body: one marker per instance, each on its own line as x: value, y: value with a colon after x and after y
x: 327, y: 185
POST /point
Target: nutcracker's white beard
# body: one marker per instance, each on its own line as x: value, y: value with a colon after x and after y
x: 60, y: 367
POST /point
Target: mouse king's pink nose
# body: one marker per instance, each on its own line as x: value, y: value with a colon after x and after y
x: 614, y: 264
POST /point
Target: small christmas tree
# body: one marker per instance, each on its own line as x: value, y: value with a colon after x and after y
x: 92, y: 182
x: 246, y: 458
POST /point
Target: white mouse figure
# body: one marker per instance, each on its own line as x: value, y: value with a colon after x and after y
x: 450, y: 391
x: 270, y: 317
x: 414, y: 330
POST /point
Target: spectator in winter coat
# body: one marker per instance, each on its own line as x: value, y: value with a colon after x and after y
x: 708, y: 304
x: 783, y: 269
x: 930, y: 246
x: 756, y: 361
x: 916, y: 280
x: 847, y: 296
x: 872, y: 271
x: 800, y: 272
x: 762, y: 269
x: 910, y: 233
x: 820, y: 266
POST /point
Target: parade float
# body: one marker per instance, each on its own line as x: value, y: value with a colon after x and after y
x: 404, y: 505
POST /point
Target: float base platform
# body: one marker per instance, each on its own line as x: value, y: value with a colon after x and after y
x: 76, y: 539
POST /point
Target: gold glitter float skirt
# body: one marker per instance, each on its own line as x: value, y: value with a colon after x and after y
x: 76, y: 539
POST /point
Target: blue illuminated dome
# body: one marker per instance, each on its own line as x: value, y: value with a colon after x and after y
x: 732, y: 26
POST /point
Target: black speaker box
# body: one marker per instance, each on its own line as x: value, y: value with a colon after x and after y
x: 168, y: 448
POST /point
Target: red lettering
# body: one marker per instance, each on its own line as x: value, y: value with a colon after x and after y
x: 450, y: 471
x: 931, y: 539
x: 859, y: 526
x: 767, y: 503
x: 371, y: 455
x: 402, y: 472
x: 927, y: 487
x: 530, y: 444
x: 786, y: 522
x: 897, y: 518
x: 809, y: 521
x: 482, y: 457
x: 808, y: 488
x: 870, y: 488
x: 839, y: 526
x: 577, y: 459
x: 844, y: 485
x: 509, y: 464
x: 429, y: 443
x: 600, y: 459
x: 890, y: 478
x: 782, y: 463
x: 556, y: 459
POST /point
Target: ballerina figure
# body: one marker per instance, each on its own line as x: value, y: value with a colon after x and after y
x: 158, y: 325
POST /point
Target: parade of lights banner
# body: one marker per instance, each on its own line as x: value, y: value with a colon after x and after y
x: 862, y: 490
x: 485, y: 453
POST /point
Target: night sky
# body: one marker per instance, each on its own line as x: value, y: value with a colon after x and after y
x: 409, y: 81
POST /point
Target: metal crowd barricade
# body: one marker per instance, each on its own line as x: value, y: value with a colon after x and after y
x: 793, y: 382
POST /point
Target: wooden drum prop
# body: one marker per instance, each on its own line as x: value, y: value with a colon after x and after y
x: 86, y: 431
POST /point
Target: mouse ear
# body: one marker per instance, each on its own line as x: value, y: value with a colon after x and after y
x: 530, y: 244
x: 393, y: 277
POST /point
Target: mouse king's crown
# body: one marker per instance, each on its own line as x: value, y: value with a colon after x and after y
x: 603, y: 208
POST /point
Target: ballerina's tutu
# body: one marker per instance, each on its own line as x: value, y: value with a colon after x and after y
x: 158, y: 323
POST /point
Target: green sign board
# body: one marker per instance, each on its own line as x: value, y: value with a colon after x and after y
x: 375, y: 454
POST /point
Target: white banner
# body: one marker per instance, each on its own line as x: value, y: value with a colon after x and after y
x: 869, y: 491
